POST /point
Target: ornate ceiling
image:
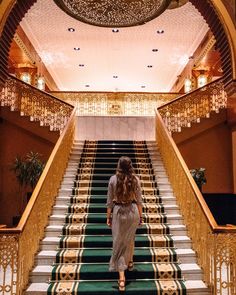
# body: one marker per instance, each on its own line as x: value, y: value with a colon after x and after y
x: 113, y: 13
x: 110, y: 59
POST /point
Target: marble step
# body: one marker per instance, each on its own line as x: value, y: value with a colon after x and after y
x: 194, y: 287
x: 73, y: 170
x: 48, y: 257
x: 62, y: 209
x: 63, y: 199
x: 56, y: 230
x: 75, y: 162
x: 69, y: 177
x: 159, y: 179
x: 60, y: 218
x: 76, y: 153
x: 52, y: 243
x: 70, y: 184
x: 42, y: 273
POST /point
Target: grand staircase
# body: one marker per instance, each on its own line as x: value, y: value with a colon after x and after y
x: 74, y: 255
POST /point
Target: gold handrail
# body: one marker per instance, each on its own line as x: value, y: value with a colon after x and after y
x: 38, y: 105
x: 215, y: 245
x: 192, y: 107
x: 19, y: 245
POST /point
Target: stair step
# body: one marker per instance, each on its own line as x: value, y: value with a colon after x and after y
x: 56, y: 230
x: 65, y: 199
x: 49, y: 257
x: 62, y: 209
x: 194, y: 287
x: 101, y: 218
x: 52, y: 243
x: 42, y: 273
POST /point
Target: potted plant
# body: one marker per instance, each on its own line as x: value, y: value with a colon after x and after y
x: 27, y: 170
x: 198, y: 175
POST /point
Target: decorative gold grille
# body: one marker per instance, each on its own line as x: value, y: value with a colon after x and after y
x: 194, y: 106
x: 215, y: 245
x: 38, y: 105
x: 113, y: 104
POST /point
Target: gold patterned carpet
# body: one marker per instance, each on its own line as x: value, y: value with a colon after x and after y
x: 85, y: 246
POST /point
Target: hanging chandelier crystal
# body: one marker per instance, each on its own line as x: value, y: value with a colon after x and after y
x: 113, y: 13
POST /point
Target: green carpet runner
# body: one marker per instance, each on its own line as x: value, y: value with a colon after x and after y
x: 81, y: 265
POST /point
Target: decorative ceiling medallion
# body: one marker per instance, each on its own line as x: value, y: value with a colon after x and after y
x: 113, y: 13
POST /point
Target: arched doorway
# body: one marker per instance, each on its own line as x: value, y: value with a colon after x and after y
x: 206, y: 8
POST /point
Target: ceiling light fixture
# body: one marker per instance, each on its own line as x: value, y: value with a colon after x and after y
x: 160, y: 31
x: 149, y: 66
x: 154, y: 49
x: 115, y: 77
x: 76, y: 48
x: 71, y: 29
x: 41, y: 83
x: 202, y: 79
x: 81, y: 65
x: 105, y: 14
x: 115, y: 30
x: 187, y: 85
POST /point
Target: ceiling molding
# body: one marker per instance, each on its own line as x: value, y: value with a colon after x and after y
x: 207, y: 47
x: 22, y: 46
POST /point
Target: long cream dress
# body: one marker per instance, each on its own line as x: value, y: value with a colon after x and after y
x: 125, y: 220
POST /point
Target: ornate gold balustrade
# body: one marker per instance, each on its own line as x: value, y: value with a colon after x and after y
x: 115, y: 103
x: 191, y: 107
x: 38, y: 105
x: 215, y: 245
x: 19, y: 245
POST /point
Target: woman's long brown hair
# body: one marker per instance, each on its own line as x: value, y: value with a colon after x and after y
x: 126, y: 181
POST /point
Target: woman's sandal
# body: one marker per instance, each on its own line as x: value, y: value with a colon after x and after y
x: 130, y: 266
x: 121, y: 284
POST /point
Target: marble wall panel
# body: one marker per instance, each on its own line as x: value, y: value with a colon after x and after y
x: 119, y: 127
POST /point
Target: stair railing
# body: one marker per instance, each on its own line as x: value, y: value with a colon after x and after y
x: 215, y: 245
x: 19, y: 245
x: 38, y: 105
x: 115, y: 103
x: 192, y: 107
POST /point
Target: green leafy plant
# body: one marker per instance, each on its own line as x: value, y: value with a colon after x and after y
x: 28, y: 169
x: 198, y: 175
